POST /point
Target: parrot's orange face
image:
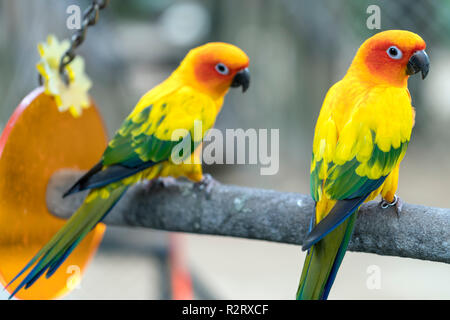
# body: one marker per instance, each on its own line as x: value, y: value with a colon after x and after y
x: 217, y: 66
x: 392, y: 56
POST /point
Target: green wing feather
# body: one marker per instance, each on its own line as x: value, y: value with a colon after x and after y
x: 133, y: 145
x: 343, y: 181
x: 148, y: 137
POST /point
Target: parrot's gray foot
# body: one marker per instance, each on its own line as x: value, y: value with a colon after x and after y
x: 165, y: 182
x: 207, y: 183
x: 397, y: 203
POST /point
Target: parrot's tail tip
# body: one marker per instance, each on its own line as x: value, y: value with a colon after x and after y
x: 76, y: 188
x: 67, y: 193
x: 308, y: 242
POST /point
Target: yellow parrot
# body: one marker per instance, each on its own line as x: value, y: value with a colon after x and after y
x: 143, y: 146
x: 360, y: 139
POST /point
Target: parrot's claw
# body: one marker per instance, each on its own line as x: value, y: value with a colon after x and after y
x: 165, y: 182
x: 207, y: 183
x: 397, y: 203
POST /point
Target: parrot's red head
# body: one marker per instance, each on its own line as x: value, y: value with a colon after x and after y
x: 216, y: 67
x: 392, y: 56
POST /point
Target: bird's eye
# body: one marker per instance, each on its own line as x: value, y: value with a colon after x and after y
x: 222, y: 69
x: 394, y: 53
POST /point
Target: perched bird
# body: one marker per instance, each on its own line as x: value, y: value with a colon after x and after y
x: 361, y: 136
x: 142, y: 148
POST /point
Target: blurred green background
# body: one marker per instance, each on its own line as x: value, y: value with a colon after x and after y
x: 298, y: 49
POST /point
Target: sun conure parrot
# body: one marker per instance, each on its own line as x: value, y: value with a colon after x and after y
x: 142, y: 147
x: 360, y: 139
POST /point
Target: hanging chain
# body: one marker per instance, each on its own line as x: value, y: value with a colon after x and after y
x: 90, y: 17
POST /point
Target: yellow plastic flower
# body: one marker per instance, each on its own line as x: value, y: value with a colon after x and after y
x: 73, y: 97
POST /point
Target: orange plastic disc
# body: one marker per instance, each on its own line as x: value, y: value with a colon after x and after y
x: 38, y: 141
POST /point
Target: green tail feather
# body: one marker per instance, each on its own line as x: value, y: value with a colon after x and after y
x: 53, y: 254
x: 322, y: 262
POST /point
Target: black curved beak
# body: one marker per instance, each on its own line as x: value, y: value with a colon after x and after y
x: 241, y: 79
x: 419, y: 61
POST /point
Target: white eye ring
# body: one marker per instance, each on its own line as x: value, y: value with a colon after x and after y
x: 394, y: 53
x: 222, y: 69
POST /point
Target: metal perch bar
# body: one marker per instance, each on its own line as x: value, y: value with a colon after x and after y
x: 419, y: 232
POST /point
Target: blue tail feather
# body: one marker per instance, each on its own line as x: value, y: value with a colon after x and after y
x: 339, y: 256
x: 54, y: 266
x: 53, y: 255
